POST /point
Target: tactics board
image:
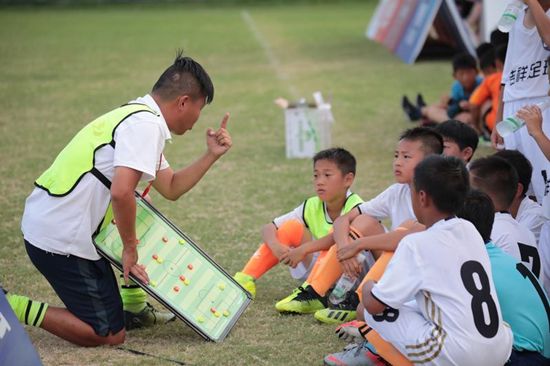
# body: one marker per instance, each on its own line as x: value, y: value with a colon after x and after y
x: 182, y: 277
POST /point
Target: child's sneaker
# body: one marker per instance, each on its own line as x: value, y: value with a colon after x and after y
x: 420, y: 103
x: 302, y: 301
x: 410, y: 109
x: 354, y: 331
x: 359, y: 355
x: 247, y: 282
x: 345, y: 311
x: 149, y: 316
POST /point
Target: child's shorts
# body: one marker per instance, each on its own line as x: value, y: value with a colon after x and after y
x: 88, y: 288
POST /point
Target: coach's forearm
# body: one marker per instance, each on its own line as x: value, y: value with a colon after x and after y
x: 173, y: 186
x: 124, y: 210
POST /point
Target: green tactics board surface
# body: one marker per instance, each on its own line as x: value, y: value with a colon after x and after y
x: 182, y: 277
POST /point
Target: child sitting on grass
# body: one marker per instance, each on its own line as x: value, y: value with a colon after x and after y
x: 309, y: 224
x: 498, y: 179
x: 436, y: 302
x: 394, y: 204
x: 455, y: 106
x: 459, y: 139
x: 522, y: 299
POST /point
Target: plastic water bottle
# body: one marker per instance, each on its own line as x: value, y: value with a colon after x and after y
x: 509, y: 16
x: 512, y: 124
x: 346, y: 283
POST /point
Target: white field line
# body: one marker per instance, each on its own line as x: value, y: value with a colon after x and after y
x: 273, y: 61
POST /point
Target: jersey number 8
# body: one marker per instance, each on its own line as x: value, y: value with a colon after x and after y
x: 481, y: 298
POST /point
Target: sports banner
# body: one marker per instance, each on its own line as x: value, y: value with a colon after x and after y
x: 403, y: 26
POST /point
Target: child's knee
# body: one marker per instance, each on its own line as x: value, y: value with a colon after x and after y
x: 291, y: 233
x: 366, y: 225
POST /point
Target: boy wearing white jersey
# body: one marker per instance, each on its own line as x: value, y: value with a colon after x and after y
x: 545, y: 256
x: 394, y: 204
x: 526, y: 211
x: 456, y: 318
x: 523, y: 302
x: 525, y: 82
x: 499, y: 180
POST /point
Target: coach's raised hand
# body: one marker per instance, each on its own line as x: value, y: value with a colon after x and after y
x: 219, y: 142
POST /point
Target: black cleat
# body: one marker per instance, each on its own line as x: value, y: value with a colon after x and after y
x: 410, y: 109
x: 420, y: 101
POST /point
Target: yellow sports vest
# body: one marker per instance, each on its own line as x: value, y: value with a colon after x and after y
x: 314, y: 214
x: 78, y: 157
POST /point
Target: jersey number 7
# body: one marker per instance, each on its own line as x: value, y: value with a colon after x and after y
x: 528, y: 251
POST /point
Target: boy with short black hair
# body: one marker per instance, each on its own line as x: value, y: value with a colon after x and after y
x: 526, y: 211
x: 488, y: 92
x: 447, y: 323
x: 499, y: 180
x: 308, y: 225
x: 522, y: 300
x: 394, y: 203
x: 456, y: 105
x: 459, y: 139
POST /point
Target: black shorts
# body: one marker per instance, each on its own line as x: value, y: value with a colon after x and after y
x: 518, y: 358
x: 88, y: 288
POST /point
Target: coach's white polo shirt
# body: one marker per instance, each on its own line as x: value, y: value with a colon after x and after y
x: 64, y: 225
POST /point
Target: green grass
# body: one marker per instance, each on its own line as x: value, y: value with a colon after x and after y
x: 62, y: 67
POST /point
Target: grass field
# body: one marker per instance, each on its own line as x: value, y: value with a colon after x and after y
x: 62, y: 67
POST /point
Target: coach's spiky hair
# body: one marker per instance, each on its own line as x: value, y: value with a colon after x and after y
x: 184, y: 77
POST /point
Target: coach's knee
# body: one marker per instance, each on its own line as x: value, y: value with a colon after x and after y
x: 116, y: 339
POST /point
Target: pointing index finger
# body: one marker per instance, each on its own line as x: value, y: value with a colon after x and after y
x: 224, y: 120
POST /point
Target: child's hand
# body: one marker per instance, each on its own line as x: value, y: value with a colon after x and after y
x: 497, y: 142
x: 219, y: 142
x: 532, y: 116
x: 346, y: 252
x: 351, y: 267
x: 279, y: 251
x: 293, y: 256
